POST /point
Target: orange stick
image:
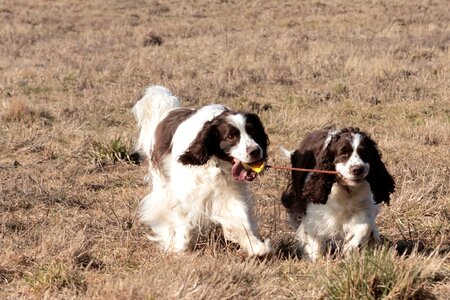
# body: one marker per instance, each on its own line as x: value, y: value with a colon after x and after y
x: 302, y: 170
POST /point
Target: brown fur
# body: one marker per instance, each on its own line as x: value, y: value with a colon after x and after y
x: 165, y: 131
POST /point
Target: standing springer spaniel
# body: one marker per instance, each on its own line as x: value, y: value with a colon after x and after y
x: 195, y: 165
x: 341, y: 207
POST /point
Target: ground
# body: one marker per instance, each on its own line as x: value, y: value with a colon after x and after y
x: 72, y: 70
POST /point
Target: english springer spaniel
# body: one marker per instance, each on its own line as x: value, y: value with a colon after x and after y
x: 339, y: 207
x: 195, y: 165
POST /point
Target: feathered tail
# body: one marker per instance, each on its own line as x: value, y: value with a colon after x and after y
x: 149, y: 111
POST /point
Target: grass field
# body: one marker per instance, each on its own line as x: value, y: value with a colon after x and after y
x: 70, y: 71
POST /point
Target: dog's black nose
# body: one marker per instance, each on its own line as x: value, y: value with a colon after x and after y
x: 254, y: 152
x: 357, y: 170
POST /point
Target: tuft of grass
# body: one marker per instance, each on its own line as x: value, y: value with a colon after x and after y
x: 19, y: 111
x: 341, y: 90
x: 54, y: 277
x: 37, y: 90
x: 111, y: 151
x: 152, y: 39
x: 380, y: 274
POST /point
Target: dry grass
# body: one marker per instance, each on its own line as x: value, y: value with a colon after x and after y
x: 380, y: 274
x: 71, y: 71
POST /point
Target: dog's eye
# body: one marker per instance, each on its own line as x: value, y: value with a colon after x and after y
x: 344, y: 155
x: 232, y: 134
x: 231, y: 137
x: 344, y: 152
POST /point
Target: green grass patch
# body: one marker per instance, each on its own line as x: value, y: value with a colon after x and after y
x: 56, y: 276
x: 111, y: 151
x: 37, y: 90
x: 380, y: 274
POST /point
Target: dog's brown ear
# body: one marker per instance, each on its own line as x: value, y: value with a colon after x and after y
x: 202, y: 147
x: 381, y: 181
x: 289, y: 195
x: 317, y: 188
x: 255, y: 128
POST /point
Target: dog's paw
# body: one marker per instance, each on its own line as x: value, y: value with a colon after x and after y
x: 262, y: 249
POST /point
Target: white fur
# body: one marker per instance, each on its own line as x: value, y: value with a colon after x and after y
x: 188, y: 198
x: 285, y: 152
x: 149, y: 111
x: 245, y: 141
x: 348, y: 215
x: 188, y: 130
x: 353, y: 161
x: 331, y: 134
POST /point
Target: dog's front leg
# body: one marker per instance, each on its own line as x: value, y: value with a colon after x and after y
x: 358, y: 236
x: 235, y: 217
x: 311, y: 246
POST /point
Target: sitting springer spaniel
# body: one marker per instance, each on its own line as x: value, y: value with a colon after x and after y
x: 341, y: 207
x: 195, y: 165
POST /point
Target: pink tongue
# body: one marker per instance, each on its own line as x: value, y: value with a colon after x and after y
x: 243, y: 175
x: 239, y: 173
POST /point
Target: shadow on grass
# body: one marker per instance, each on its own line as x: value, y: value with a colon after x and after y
x: 286, y: 249
x: 408, y: 246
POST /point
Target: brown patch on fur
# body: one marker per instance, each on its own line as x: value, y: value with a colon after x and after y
x: 218, y: 136
x: 211, y: 140
x: 165, y: 131
x: 309, y: 155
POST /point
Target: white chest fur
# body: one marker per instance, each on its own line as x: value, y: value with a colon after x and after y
x: 345, y: 206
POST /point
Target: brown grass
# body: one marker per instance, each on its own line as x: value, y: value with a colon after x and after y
x: 71, y: 71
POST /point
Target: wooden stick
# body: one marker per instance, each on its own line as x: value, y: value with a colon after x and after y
x: 302, y: 170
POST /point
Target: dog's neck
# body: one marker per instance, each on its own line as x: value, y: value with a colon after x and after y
x: 348, y: 188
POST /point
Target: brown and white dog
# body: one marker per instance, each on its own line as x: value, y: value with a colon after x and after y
x: 195, y: 165
x: 339, y: 207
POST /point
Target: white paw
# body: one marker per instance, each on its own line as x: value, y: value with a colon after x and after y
x: 261, y: 249
x: 349, y: 248
x: 354, y: 245
x: 310, y: 256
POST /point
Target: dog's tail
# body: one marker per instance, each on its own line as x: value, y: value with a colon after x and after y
x: 149, y: 111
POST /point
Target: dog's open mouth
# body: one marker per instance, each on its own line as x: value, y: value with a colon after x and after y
x: 239, y: 172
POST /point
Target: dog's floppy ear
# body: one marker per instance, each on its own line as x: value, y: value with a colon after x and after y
x: 318, y: 186
x: 255, y: 128
x: 202, y: 147
x: 381, y: 182
x: 291, y: 196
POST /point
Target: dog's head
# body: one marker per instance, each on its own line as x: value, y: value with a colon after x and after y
x: 355, y: 156
x: 235, y: 137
